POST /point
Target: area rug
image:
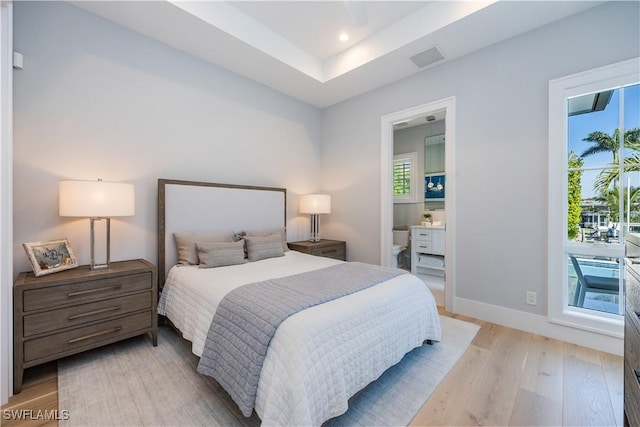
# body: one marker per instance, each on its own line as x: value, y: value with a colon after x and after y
x: 132, y: 383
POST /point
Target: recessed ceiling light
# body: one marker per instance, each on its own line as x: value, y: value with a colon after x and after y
x: 343, y: 37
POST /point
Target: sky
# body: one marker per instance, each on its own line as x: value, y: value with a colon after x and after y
x: 580, y: 126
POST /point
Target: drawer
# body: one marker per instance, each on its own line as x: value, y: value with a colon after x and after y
x: 423, y: 246
x: 423, y: 235
x: 632, y: 341
x: 631, y: 395
x: 336, y: 252
x: 87, y: 336
x: 632, y: 290
x: 36, y: 299
x: 79, y: 314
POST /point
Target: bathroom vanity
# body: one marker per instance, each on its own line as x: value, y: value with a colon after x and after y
x: 427, y: 251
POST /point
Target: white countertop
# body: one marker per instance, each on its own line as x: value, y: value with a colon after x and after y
x: 437, y: 227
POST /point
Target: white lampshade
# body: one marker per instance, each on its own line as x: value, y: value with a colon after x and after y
x: 315, y: 204
x: 97, y: 199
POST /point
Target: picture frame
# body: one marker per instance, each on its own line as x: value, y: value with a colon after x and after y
x: 437, y: 190
x: 50, y: 256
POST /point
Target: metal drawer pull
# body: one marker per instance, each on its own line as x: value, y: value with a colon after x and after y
x: 97, y: 334
x: 91, y: 291
x: 91, y: 313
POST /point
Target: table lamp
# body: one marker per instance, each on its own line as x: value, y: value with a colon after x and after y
x: 315, y: 204
x: 97, y: 200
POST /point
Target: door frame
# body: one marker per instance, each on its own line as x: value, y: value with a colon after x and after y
x: 6, y: 200
x: 386, y: 186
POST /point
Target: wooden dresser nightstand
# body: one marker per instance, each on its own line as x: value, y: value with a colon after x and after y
x: 632, y: 345
x: 71, y: 311
x: 327, y: 248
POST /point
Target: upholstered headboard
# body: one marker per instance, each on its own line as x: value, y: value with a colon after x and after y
x: 205, y: 206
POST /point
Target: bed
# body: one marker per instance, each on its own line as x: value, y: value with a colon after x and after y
x: 318, y: 357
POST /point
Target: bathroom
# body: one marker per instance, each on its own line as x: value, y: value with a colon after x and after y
x: 419, y: 192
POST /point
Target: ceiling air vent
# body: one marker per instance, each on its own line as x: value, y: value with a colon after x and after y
x: 427, y: 57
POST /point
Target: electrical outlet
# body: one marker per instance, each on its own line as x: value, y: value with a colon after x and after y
x: 531, y: 298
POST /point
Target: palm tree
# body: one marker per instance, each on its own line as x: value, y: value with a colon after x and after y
x: 612, y: 200
x: 603, y: 142
x: 605, y: 178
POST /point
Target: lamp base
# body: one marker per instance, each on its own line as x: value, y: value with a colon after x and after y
x: 93, y: 264
x: 314, y: 237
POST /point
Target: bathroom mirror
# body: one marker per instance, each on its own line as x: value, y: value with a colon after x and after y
x: 434, y: 176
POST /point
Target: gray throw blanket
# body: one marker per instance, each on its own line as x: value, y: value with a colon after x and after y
x: 247, y: 319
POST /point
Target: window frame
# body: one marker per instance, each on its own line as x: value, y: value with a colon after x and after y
x: 611, y: 76
x: 412, y: 159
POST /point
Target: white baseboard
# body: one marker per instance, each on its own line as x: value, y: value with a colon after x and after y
x: 539, y: 325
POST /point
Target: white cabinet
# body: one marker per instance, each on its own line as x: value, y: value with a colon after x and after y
x: 427, y: 250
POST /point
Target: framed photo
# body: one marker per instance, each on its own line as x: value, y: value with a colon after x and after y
x: 434, y: 186
x: 50, y: 256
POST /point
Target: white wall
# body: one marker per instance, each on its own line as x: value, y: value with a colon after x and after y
x: 96, y: 100
x: 501, y: 137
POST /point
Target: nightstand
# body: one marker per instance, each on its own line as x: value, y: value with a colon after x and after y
x: 75, y: 310
x: 632, y: 345
x: 327, y: 248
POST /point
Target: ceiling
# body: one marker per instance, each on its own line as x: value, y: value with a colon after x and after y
x: 293, y: 46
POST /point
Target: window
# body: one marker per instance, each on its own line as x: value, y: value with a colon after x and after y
x: 405, y: 178
x: 594, y: 153
x: 402, y: 178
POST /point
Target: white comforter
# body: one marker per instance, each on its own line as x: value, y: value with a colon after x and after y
x: 321, y: 356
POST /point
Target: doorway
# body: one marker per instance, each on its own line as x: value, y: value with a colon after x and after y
x: 446, y: 107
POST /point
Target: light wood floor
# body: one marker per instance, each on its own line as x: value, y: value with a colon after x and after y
x: 510, y: 377
x: 506, y: 377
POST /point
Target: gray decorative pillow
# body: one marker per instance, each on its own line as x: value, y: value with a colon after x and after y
x: 186, y: 243
x: 219, y: 254
x: 281, y: 231
x: 263, y: 247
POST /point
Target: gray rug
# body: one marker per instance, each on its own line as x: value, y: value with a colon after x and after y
x: 132, y: 383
